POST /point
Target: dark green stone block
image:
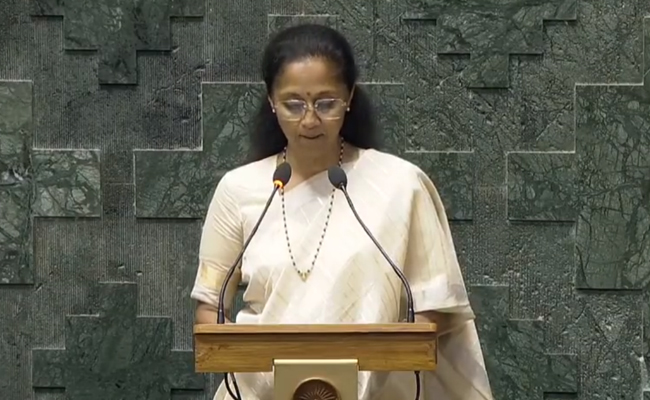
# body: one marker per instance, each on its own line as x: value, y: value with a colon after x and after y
x: 489, y: 32
x: 541, y: 186
x: 604, y: 186
x: 517, y: 362
x: 117, y: 29
x: 613, y: 186
x: 116, y: 354
x: 36, y: 182
x: 16, y: 193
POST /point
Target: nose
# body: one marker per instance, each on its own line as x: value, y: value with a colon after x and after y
x: 310, y: 120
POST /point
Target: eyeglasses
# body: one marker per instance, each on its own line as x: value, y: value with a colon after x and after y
x: 326, y: 109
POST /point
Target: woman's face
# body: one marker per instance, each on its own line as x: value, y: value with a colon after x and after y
x: 310, y: 101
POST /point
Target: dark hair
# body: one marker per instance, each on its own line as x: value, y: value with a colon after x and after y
x: 299, y: 42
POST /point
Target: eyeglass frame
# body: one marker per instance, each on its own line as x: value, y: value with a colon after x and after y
x: 310, y: 106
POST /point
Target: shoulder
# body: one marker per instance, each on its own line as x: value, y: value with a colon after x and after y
x: 397, y: 171
x: 409, y: 181
x: 247, y: 178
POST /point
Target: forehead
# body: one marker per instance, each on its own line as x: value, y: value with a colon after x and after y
x: 309, y: 77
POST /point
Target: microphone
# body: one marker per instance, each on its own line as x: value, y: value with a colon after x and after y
x: 281, y: 177
x: 339, y: 180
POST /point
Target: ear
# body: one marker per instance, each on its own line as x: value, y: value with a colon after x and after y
x: 271, y: 103
x: 351, y: 96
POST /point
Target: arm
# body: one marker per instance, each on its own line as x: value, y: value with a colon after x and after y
x: 431, y: 265
x: 207, y: 314
x: 439, y: 296
x: 221, y: 241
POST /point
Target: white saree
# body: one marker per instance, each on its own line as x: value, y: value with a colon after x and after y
x: 351, y: 282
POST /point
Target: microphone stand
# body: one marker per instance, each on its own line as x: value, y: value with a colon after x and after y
x: 339, y: 180
x: 281, y: 177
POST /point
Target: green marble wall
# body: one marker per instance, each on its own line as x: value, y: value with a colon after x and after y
x: 117, y: 118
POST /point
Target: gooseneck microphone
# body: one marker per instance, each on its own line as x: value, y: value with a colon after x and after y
x: 281, y: 177
x: 339, y: 180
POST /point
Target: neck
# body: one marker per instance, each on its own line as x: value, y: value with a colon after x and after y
x: 308, y: 165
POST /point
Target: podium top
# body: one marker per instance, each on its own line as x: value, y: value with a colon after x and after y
x: 254, y: 348
x: 261, y: 329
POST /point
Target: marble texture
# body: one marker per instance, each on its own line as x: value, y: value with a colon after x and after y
x: 162, y: 111
x: 489, y: 32
x: 540, y: 186
x: 117, y: 29
x: 33, y: 184
x: 512, y: 344
x: 116, y: 354
x: 15, y: 182
x: 66, y: 183
x: 613, y: 157
x: 159, y: 257
x: 604, y: 185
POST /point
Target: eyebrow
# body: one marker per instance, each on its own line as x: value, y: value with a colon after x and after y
x: 318, y: 94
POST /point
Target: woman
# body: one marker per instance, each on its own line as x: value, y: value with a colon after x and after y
x: 310, y: 261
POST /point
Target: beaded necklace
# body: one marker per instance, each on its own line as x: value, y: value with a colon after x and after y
x: 305, y: 273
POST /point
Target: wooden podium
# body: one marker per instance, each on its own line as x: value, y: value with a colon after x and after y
x: 319, y: 359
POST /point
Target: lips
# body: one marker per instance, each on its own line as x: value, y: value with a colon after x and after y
x: 312, y: 137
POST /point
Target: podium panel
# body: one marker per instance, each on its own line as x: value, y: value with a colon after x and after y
x: 312, y: 360
x: 315, y: 379
x: 376, y: 347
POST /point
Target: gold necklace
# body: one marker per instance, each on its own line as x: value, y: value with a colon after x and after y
x: 305, y: 274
